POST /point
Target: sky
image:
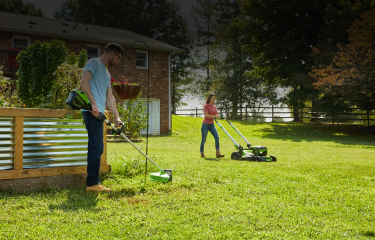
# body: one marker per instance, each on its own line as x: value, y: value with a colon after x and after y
x: 49, y: 6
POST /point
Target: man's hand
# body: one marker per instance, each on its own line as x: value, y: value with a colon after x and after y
x: 118, y: 122
x: 124, y: 79
x: 95, y: 110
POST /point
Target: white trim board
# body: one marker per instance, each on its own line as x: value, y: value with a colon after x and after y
x: 154, y: 115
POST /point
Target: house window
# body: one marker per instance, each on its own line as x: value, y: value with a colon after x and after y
x: 93, y: 51
x: 21, y: 42
x: 142, y: 59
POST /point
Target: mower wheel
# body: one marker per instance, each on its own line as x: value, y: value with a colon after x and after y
x: 273, y: 158
x: 235, y: 156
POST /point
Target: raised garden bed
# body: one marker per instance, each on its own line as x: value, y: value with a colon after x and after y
x: 41, y: 143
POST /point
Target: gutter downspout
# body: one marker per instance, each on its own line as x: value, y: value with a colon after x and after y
x: 169, y: 91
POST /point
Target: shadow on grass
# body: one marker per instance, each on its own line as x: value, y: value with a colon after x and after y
x: 212, y: 159
x: 71, y: 199
x: 77, y: 199
x: 296, y: 132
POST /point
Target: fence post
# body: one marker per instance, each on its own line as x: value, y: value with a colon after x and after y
x: 302, y: 115
x: 18, y: 143
x: 333, y: 119
x: 241, y: 113
x: 246, y: 113
x: 368, y: 117
x: 196, y: 111
x: 273, y: 120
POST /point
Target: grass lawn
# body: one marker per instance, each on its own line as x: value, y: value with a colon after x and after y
x: 321, y: 187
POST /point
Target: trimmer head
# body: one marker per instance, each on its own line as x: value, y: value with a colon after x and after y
x: 159, y: 176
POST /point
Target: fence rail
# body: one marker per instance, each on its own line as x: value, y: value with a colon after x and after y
x: 304, y: 115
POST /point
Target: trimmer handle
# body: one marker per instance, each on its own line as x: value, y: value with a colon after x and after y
x: 118, y: 131
x: 101, y: 117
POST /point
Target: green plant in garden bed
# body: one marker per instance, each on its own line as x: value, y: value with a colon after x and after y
x: 321, y: 187
x: 67, y: 77
x: 8, y: 98
x: 134, y: 116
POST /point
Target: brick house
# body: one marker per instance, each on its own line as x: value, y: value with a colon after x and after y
x: 19, y: 31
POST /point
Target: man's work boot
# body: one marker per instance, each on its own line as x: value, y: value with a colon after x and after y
x: 97, y: 188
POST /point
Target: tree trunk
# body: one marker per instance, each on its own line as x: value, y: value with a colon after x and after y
x: 296, y: 113
x: 313, y: 110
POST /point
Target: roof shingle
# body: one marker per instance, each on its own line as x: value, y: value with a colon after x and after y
x: 77, y: 31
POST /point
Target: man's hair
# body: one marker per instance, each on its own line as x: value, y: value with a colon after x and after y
x: 114, y: 47
x: 209, y: 98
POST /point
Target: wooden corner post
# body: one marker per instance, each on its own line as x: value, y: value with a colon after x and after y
x: 18, y: 143
x: 103, y: 160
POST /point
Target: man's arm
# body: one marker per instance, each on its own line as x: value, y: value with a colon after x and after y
x: 111, y: 102
x: 85, y: 86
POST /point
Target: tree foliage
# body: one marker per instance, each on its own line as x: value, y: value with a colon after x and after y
x: 217, y: 25
x: 287, y: 38
x: 351, y: 76
x: 205, y: 17
x: 37, y: 63
x: 18, y: 7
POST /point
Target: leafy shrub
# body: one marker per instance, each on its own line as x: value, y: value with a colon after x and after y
x: 133, y: 115
x: 67, y: 77
x: 7, y: 98
x: 71, y: 59
x: 37, y: 63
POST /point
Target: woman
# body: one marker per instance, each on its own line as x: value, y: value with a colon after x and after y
x: 210, y: 112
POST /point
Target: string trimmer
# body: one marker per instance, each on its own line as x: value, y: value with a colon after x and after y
x: 251, y: 153
x: 78, y: 100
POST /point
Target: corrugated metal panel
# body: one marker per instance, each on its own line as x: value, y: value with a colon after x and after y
x: 51, y: 142
x: 6, y: 143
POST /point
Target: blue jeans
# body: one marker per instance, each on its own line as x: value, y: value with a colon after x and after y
x: 95, y: 147
x: 209, y: 127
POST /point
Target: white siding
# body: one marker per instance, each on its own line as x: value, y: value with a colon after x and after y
x: 154, y: 118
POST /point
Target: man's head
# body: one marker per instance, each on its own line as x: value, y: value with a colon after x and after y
x: 115, y: 52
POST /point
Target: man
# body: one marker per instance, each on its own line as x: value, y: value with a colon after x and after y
x: 95, y: 83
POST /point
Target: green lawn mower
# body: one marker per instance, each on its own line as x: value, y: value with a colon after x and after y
x: 78, y: 100
x: 251, y: 153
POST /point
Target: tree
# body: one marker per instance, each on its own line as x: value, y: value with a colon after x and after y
x: 204, y: 17
x: 37, y: 63
x: 281, y: 35
x: 157, y: 19
x: 232, y: 85
x: 18, y: 7
x: 225, y: 59
x: 351, y: 76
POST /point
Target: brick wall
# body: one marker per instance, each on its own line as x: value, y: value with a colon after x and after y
x: 158, y: 67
